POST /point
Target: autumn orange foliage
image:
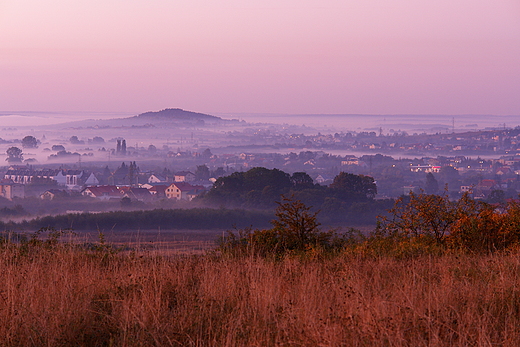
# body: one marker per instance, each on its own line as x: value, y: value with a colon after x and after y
x: 464, y: 225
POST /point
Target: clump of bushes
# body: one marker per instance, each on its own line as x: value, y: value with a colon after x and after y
x: 294, y: 231
x: 435, y: 223
x: 417, y: 225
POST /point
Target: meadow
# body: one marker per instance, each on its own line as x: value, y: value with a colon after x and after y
x: 439, y: 273
x: 63, y: 294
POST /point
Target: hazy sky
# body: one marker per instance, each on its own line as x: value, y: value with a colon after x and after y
x: 304, y: 56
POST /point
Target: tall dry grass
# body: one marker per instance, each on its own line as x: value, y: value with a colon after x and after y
x: 65, y: 296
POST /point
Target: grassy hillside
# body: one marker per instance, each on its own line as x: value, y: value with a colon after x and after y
x: 62, y: 295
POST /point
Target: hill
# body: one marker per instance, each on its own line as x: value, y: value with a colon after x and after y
x: 177, y: 114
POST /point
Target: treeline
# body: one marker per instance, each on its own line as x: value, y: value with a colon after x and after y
x: 348, y: 200
x: 195, y: 218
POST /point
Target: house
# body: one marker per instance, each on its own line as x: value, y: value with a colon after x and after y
x: 466, y: 189
x: 25, y: 175
x: 139, y: 194
x: 425, y: 168
x: 10, y: 190
x: 156, y: 179
x: 60, y: 178
x: 350, y: 160
x: 504, y: 170
x: 158, y: 191
x: 52, y: 193
x: 246, y: 156
x: 92, y: 180
x: 323, y: 179
x: 73, y: 178
x: 102, y: 192
x: 184, y: 176
x: 487, y: 185
x: 182, y: 191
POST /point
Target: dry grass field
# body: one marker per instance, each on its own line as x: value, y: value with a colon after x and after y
x: 62, y: 295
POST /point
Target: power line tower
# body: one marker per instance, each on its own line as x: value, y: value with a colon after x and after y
x: 453, y: 125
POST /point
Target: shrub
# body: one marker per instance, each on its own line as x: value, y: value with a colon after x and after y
x: 295, y: 230
x: 461, y: 225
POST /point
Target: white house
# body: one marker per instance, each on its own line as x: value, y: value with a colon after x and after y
x: 156, y: 179
x: 92, y: 180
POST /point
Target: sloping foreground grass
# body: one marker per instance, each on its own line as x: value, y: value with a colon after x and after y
x: 61, y: 295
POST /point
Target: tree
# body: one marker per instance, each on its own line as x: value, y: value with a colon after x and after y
x: 74, y: 140
x: 465, y: 224
x: 426, y: 214
x: 14, y: 155
x: 301, y: 180
x: 58, y: 148
x: 206, y: 153
x: 202, y: 172
x: 29, y: 142
x: 133, y: 174
x: 259, y: 177
x: 219, y: 172
x: 431, y: 186
x: 258, y: 187
x: 295, y: 229
x: 352, y: 187
x: 296, y: 225
x: 496, y: 196
x: 448, y: 174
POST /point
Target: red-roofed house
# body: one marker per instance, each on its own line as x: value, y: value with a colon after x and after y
x: 487, y: 185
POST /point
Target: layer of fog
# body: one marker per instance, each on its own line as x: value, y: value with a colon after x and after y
x: 52, y: 129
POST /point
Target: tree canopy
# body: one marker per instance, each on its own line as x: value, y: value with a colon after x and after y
x: 14, y: 155
x: 347, y: 186
x: 29, y: 142
x: 350, y: 197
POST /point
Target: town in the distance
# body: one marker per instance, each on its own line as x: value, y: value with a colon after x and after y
x: 174, y: 158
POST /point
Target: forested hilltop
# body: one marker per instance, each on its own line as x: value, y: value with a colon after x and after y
x: 348, y: 200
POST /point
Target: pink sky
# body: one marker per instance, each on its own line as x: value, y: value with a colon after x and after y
x: 328, y: 56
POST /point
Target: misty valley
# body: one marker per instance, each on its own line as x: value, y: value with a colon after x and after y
x: 182, y: 229
x: 140, y: 172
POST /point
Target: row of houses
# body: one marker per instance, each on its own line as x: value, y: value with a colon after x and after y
x: 147, y: 192
x: 16, y: 178
x: 72, y: 179
x: 76, y: 179
x: 181, y: 176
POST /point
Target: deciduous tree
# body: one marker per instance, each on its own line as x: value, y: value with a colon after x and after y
x: 353, y: 187
x: 14, y: 155
x: 29, y: 142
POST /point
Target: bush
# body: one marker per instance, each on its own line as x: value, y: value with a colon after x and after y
x: 295, y: 231
x: 462, y: 225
